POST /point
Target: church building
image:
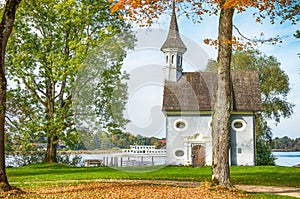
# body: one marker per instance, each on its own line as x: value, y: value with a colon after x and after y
x: 188, y: 103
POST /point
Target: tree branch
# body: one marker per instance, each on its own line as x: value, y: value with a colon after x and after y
x: 37, y: 87
x: 11, y: 123
x: 33, y: 91
x: 272, y: 39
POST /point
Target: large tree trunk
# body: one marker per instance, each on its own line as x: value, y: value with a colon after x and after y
x: 50, y: 129
x: 51, y: 149
x: 222, y: 109
x: 6, y: 27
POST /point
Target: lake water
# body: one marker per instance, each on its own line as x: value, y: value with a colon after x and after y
x: 282, y: 159
x: 287, y: 158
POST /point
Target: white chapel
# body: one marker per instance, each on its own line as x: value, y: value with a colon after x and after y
x: 188, y: 101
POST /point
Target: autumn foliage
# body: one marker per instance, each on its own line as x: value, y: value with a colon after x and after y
x: 147, y: 11
x: 125, y: 190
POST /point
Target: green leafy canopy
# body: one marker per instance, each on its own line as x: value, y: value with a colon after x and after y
x: 51, y: 41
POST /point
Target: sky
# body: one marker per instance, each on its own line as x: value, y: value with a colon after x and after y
x: 144, y: 64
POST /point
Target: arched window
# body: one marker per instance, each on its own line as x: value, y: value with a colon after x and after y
x: 167, y: 59
x: 178, y: 60
x: 172, y: 59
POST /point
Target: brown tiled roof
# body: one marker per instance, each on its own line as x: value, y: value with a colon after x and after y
x: 196, y: 91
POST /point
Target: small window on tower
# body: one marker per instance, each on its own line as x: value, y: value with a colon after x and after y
x: 167, y: 59
x: 178, y: 60
x: 172, y: 59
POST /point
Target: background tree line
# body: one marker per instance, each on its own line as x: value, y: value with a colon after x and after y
x: 33, y: 151
x: 285, y: 144
x: 106, y: 141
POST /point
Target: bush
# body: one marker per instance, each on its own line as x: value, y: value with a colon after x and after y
x: 264, y: 154
x: 65, y: 158
x: 37, y: 155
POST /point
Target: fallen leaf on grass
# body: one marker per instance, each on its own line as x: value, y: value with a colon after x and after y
x: 128, y: 190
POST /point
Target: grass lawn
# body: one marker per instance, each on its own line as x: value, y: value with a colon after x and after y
x: 57, y: 175
x: 258, y: 175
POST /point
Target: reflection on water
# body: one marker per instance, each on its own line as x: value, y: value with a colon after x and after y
x: 287, y: 158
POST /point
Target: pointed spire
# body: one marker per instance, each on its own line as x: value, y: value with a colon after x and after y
x: 173, y: 29
x: 173, y: 40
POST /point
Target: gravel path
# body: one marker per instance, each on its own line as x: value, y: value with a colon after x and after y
x: 286, y: 191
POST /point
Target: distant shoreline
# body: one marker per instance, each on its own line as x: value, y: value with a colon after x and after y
x: 283, y: 150
x: 119, y: 150
x: 90, y: 151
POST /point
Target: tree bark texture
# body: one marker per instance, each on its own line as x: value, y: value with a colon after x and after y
x: 54, y: 129
x: 51, y: 129
x: 222, y: 108
x: 6, y: 27
x: 51, y: 149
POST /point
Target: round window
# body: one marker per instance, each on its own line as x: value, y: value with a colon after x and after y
x: 179, y: 153
x: 238, y: 125
x: 180, y: 125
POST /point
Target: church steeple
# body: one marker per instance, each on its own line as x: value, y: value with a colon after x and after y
x: 173, y: 40
x: 173, y: 48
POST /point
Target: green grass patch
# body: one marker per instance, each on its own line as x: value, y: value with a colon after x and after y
x: 57, y: 172
x: 266, y: 175
x: 41, y: 175
x: 258, y: 175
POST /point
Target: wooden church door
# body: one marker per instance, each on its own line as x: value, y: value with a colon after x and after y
x: 198, y: 156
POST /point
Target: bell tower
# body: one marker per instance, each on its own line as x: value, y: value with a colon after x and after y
x: 173, y: 48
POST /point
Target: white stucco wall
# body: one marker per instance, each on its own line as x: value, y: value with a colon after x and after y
x: 243, y: 142
x: 197, y: 130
